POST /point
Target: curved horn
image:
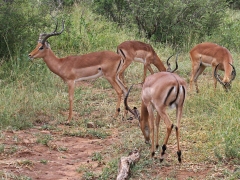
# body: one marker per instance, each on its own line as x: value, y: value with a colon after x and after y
x: 134, y: 111
x: 54, y: 33
x: 233, y: 72
x: 217, y: 76
x: 176, y: 64
x: 168, y: 64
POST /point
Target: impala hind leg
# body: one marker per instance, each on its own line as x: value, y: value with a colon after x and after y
x: 179, y: 115
x: 196, y: 72
x: 126, y: 63
x: 169, y: 126
x: 119, y: 92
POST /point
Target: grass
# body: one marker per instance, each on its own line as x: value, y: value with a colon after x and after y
x: 6, y: 175
x: 33, y: 96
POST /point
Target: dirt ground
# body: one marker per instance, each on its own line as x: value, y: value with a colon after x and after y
x: 61, y: 157
x: 39, y: 161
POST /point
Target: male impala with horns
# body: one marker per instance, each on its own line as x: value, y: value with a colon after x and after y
x: 210, y: 54
x: 73, y: 69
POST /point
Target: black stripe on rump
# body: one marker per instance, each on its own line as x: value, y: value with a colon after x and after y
x: 184, y: 94
x: 123, y: 53
x: 169, y: 92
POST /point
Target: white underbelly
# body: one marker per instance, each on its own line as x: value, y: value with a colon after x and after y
x: 94, y: 76
x: 141, y: 60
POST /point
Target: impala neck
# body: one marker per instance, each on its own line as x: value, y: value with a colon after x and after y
x: 228, y: 73
x: 52, y: 61
x: 158, y: 63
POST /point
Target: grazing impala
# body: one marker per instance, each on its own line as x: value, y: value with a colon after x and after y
x: 140, y: 52
x: 77, y: 68
x: 160, y: 90
x: 210, y: 54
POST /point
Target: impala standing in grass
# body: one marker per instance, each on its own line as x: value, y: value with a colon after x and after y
x: 218, y: 57
x: 140, y: 52
x: 84, y: 67
x: 160, y: 90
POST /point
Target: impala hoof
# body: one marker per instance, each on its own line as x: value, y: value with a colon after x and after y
x: 179, y: 153
x: 153, y: 153
x: 67, y: 123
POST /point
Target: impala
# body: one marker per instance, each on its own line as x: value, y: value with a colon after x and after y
x: 210, y: 54
x: 159, y: 91
x: 73, y: 69
x: 140, y: 52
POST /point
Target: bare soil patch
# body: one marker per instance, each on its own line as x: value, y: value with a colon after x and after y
x: 58, y: 159
x: 62, y: 156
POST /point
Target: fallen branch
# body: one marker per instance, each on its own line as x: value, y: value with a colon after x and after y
x: 124, y: 164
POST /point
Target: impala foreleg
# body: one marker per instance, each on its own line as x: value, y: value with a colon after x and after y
x: 214, y: 79
x: 157, y: 126
x: 146, y: 67
x: 151, y: 127
x: 71, y: 87
x: 196, y: 72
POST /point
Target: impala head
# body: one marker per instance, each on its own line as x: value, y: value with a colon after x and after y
x: 226, y: 84
x: 42, y: 45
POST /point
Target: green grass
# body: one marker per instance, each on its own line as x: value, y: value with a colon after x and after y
x: 33, y: 96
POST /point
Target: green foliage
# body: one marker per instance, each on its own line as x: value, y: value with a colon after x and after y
x: 235, y: 4
x: 20, y: 20
x: 165, y: 21
x: 44, y: 139
x: 29, y: 91
x: 228, y: 33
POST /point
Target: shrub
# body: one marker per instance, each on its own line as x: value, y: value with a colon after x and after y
x: 173, y: 22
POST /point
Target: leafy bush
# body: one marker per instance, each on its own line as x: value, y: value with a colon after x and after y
x: 174, y: 22
x: 228, y: 32
x: 20, y: 20
x: 235, y: 4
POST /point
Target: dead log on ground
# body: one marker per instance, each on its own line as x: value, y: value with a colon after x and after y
x: 124, y: 164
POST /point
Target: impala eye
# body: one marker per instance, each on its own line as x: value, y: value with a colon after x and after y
x: 41, y: 48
